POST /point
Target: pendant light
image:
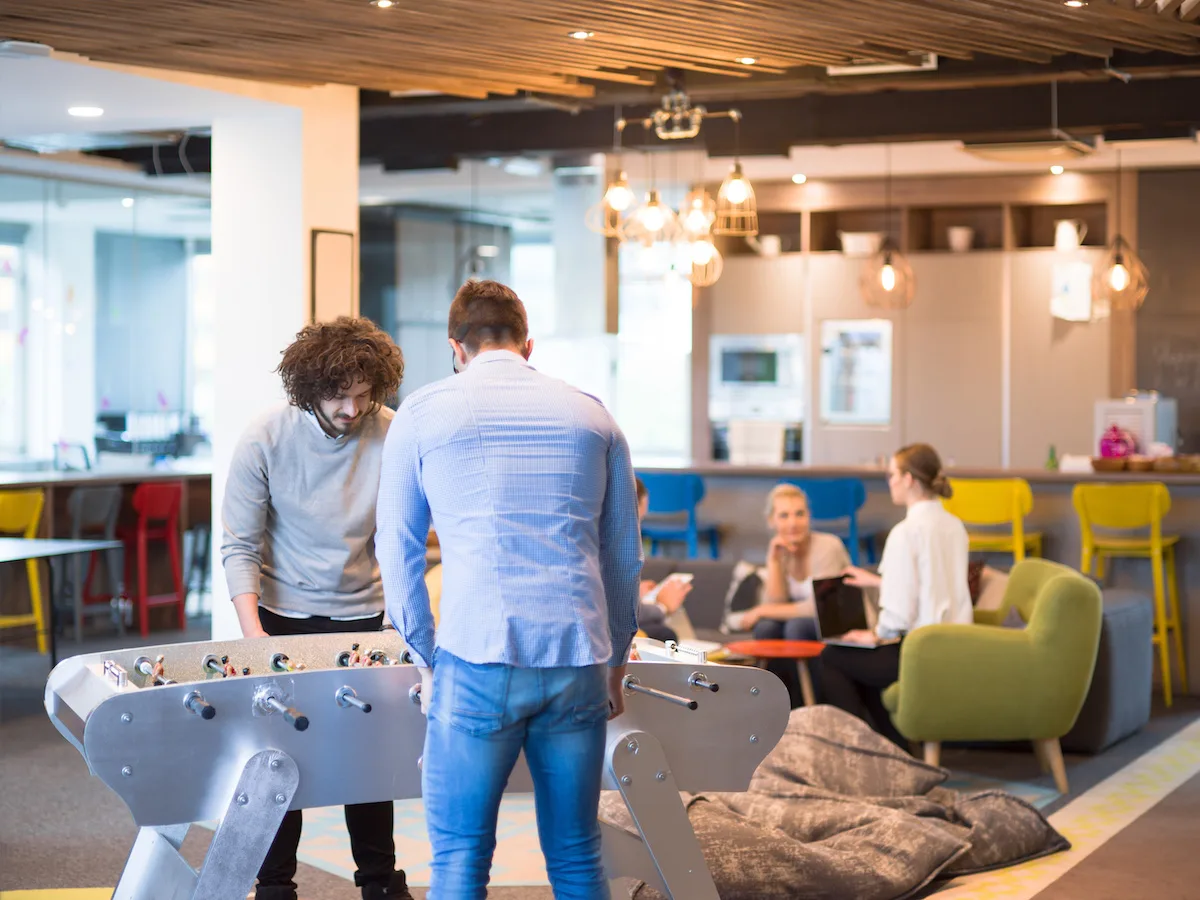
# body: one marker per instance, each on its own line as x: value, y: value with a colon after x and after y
x: 737, y: 210
x: 607, y: 216
x: 704, y: 263
x: 1120, y: 282
x: 654, y: 220
x: 886, y: 280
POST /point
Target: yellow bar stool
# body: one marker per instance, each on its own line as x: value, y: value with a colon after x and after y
x: 1126, y: 507
x: 20, y: 513
x: 991, y: 503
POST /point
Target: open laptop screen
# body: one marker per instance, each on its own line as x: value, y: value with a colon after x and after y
x: 840, y: 607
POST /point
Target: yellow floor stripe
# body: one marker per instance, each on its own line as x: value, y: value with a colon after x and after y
x: 1091, y: 819
x: 82, y: 894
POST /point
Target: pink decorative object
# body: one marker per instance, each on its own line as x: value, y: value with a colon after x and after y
x: 1117, y: 443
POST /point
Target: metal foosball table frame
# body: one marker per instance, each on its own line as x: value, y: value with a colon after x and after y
x: 241, y: 731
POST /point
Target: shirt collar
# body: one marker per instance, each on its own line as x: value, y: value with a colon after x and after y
x: 923, y: 506
x: 316, y: 423
x: 488, y: 356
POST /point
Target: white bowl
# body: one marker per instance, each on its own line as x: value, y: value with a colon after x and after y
x: 861, y: 243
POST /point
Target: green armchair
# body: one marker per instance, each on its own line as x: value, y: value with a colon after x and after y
x: 987, y: 683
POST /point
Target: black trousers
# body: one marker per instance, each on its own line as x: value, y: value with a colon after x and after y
x: 369, y: 824
x: 853, y: 679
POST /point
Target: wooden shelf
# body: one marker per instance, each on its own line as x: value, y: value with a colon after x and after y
x: 786, y: 225
x: 928, y: 227
x: 1033, y: 226
x: 827, y: 224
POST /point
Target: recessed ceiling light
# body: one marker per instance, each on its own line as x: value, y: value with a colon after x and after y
x: 127, y: 202
x: 799, y: 178
x: 1056, y: 170
x: 85, y: 112
x: 746, y: 60
x: 383, y: 4
x: 1075, y: 4
x: 581, y: 35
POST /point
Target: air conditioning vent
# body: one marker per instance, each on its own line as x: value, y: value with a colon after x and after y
x: 922, y: 62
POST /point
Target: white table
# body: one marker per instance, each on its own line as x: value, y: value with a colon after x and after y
x: 22, y: 549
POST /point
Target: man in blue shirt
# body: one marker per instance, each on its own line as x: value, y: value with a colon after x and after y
x: 529, y: 485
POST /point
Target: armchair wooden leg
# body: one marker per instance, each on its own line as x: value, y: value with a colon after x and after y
x: 1040, y: 752
x: 933, y: 753
x: 1051, y: 753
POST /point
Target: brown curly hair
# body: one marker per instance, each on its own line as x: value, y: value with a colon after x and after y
x: 327, y: 357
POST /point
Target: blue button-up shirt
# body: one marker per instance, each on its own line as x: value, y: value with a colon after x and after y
x: 530, y: 488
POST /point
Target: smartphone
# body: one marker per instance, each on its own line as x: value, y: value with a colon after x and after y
x: 652, y: 594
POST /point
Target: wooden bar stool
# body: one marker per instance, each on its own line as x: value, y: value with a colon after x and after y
x: 1124, y: 508
x: 21, y: 513
x: 992, y: 503
x: 157, y: 506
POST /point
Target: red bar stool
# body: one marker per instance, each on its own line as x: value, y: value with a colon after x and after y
x: 157, y: 506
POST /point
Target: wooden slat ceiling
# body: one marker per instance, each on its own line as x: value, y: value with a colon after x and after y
x: 474, y: 48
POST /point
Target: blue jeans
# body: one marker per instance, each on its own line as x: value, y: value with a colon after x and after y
x: 481, y: 717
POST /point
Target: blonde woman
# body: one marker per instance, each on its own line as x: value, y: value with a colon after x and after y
x: 922, y: 581
x: 795, y: 557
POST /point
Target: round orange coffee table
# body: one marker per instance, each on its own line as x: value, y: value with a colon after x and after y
x: 800, y: 651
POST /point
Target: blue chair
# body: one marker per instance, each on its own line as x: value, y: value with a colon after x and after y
x: 674, y: 495
x: 832, y: 500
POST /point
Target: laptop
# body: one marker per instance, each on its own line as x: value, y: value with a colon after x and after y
x: 841, y: 608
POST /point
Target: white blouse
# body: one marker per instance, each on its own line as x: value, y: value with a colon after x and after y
x: 924, y: 572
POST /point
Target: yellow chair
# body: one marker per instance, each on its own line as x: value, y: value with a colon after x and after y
x: 992, y: 502
x: 21, y: 513
x: 1124, y: 508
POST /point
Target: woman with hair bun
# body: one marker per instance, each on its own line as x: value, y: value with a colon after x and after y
x: 922, y: 581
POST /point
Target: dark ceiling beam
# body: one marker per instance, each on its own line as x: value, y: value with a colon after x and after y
x: 770, y: 127
x: 1139, y: 110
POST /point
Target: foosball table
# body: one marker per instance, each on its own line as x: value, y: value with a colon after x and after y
x: 241, y: 731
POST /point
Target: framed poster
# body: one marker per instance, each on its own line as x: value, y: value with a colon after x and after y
x: 333, y: 267
x: 856, y: 372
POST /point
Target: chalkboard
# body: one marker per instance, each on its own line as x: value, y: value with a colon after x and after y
x: 1169, y: 362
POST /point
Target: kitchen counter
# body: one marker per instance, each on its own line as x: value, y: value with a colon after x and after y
x: 180, y: 470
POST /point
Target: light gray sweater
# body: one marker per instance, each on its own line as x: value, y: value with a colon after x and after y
x: 299, y: 515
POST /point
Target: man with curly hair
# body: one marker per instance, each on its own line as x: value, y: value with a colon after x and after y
x: 299, y: 539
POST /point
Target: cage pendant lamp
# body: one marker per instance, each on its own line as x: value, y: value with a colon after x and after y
x: 607, y: 216
x: 737, y: 210
x: 697, y: 214
x: 886, y: 279
x: 704, y: 262
x: 1121, y: 281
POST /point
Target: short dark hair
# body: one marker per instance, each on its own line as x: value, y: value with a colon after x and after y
x: 327, y: 357
x: 487, y: 312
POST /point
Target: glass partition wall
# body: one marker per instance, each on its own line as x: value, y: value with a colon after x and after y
x: 105, y: 322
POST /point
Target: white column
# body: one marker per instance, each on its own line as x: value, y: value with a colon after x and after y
x: 276, y: 174
x: 579, y: 258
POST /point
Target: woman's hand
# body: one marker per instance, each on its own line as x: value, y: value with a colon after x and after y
x: 672, y: 594
x: 860, y: 636
x: 645, y: 587
x: 779, y: 550
x: 750, y: 618
x: 861, y: 578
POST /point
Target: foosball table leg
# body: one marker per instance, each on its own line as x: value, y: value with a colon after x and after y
x: 155, y: 869
x: 263, y: 794
x: 668, y: 854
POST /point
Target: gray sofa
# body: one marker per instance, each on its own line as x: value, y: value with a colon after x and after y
x: 705, y: 605
x: 1118, y: 702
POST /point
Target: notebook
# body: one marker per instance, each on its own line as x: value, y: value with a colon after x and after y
x: 841, y: 608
